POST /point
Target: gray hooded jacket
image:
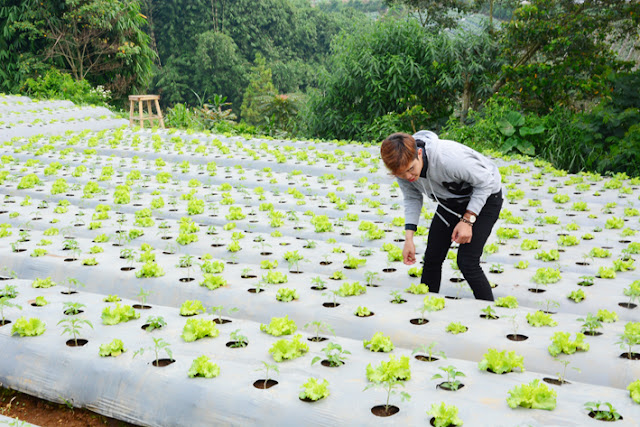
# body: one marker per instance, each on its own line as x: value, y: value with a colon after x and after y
x: 455, y: 174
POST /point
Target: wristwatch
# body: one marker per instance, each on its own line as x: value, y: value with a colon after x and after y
x: 471, y: 220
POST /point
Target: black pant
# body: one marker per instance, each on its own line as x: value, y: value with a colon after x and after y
x: 469, y: 254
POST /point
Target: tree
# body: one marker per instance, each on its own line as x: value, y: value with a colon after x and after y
x: 98, y: 40
x: 260, y: 85
x: 435, y: 14
x: 383, y: 68
x: 559, y: 51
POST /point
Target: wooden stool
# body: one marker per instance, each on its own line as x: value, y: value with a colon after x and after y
x: 142, y: 117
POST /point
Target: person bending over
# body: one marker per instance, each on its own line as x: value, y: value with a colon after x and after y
x: 467, y: 189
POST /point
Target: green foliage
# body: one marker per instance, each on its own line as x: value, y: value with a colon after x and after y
x: 114, y: 348
x: 509, y: 302
x: 279, y: 326
x: 444, y: 415
x: 191, y: 307
x: 351, y: 289
x: 561, y: 343
x: 113, y: 315
x: 456, y: 328
x: 287, y: 294
x: 203, y: 367
x: 288, y: 349
x: 540, y: 318
x: 500, y: 362
x: 314, y: 390
x: 634, y: 391
x: 535, y: 395
x: 379, y: 342
x: 419, y: 289
x: 55, y: 84
x: 602, y: 414
x: 194, y: 329
x: 393, y: 370
x: 28, y: 327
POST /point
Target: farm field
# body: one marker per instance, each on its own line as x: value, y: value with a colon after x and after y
x: 247, y: 260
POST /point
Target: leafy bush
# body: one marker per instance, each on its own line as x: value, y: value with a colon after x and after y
x: 379, y: 342
x: 113, y: 349
x: 28, y: 327
x: 560, y: 343
x: 314, y: 390
x: 113, y: 315
x: 500, y: 361
x: 393, y: 370
x: 279, y: 326
x: 540, y: 318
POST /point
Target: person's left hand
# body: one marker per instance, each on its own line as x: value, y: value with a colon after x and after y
x: 462, y: 233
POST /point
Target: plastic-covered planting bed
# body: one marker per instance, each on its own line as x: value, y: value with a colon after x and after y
x: 130, y: 387
x: 217, y: 217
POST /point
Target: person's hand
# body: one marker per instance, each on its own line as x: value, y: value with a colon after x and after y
x: 409, y: 252
x: 462, y: 233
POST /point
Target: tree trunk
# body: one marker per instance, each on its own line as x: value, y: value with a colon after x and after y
x: 466, y: 99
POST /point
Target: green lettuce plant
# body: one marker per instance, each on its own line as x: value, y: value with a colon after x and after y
x: 500, y: 362
x: 351, y: 289
x: 112, y: 349
x: 113, y: 315
x: 28, y: 327
x: 212, y: 281
x: 535, y: 395
x: 313, y: 389
x: 379, y: 343
x: 288, y: 349
x: 194, y: 329
x: 508, y: 302
x: 607, y: 316
x: 419, y: 289
x: 203, y: 367
x: 287, y: 294
x: 191, y: 307
x: 394, y: 370
x: 634, y: 391
x: 456, y: 328
x: 444, y: 415
x: 540, y: 318
x: 561, y: 343
x: 280, y: 326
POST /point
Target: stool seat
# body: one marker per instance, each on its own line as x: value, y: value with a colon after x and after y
x: 140, y: 100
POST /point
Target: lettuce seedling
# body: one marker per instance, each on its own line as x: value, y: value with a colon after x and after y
x: 607, y: 316
x: 150, y: 269
x: 456, y: 328
x: 508, y: 302
x: 634, y: 391
x: 444, y: 415
x: 275, y: 277
x: 500, y: 362
x: 535, y: 395
x: 351, y: 289
x: 288, y: 349
x: 560, y: 343
x: 41, y: 301
x: 120, y: 313
x: 577, y: 295
x: 43, y: 283
x: 194, y: 329
x: 287, y: 294
x: 379, y: 343
x: 314, y: 390
x: 213, y: 282
x: 114, y: 348
x: 362, y: 311
x: 419, y: 289
x: 279, y: 326
x: 28, y: 327
x: 540, y: 318
x: 393, y: 370
x: 191, y: 307
x: 433, y: 303
x: 203, y: 367
x: 353, y: 262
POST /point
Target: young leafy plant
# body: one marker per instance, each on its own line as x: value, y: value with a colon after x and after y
x: 456, y: 328
x: 602, y: 414
x: 560, y: 343
x: 500, y: 362
x: 28, y: 327
x: 72, y: 327
x: 159, y: 344
x: 203, y: 367
x: 194, y: 329
x: 288, y: 349
x: 279, y: 326
x: 112, y: 349
x: 444, y: 415
x: 191, y: 307
x: 393, y: 370
x: 535, y: 395
x: 452, y: 373
x: 379, y: 343
x: 334, y: 355
x: 113, y: 315
x: 540, y: 318
x: 314, y: 390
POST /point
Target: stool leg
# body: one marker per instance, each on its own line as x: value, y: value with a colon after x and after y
x: 140, y: 109
x: 159, y: 114
x: 150, y: 111
x: 130, y: 113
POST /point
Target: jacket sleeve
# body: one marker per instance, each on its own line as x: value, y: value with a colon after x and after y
x: 412, y: 204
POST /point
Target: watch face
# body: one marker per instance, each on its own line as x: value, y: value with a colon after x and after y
x: 472, y: 219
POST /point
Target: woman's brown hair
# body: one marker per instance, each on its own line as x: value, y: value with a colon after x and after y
x: 397, y: 151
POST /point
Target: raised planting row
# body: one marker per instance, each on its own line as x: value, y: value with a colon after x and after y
x: 113, y: 358
x: 263, y: 228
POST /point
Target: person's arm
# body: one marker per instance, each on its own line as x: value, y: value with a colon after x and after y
x: 409, y: 250
x: 412, y: 209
